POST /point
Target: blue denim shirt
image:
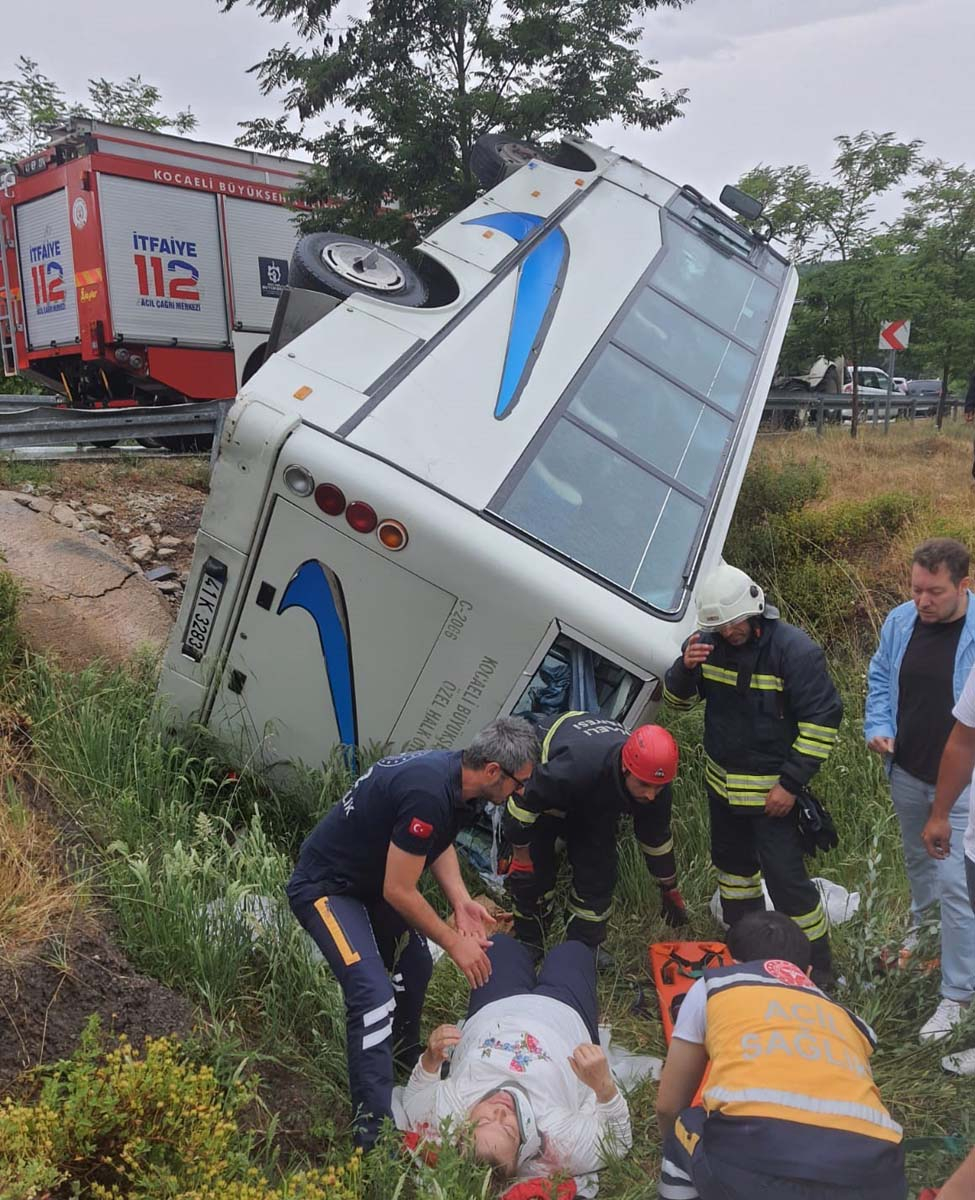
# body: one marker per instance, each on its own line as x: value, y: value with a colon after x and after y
x: 883, y: 674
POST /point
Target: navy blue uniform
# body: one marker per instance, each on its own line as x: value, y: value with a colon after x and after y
x: 773, y: 716
x: 414, y: 802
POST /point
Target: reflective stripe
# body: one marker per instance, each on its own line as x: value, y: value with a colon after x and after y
x: 373, y: 1039
x: 522, y: 815
x: 687, y: 1140
x: 815, y: 749
x: 669, y: 1167
x: 826, y: 1108
x: 377, y: 1014
x: 547, y: 743
x: 827, y: 733
x: 719, y: 674
x: 680, y: 701
x: 398, y: 984
x: 813, y: 924
x: 654, y: 851
x: 761, y: 683
x: 587, y: 914
x: 349, y: 956
x: 739, y: 887
x: 747, y: 790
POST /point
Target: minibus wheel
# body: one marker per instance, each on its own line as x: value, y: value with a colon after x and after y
x: 342, y: 265
x: 495, y: 156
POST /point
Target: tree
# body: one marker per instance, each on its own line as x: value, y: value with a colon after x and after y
x: 938, y: 231
x: 422, y: 80
x: 833, y: 221
x: 31, y: 103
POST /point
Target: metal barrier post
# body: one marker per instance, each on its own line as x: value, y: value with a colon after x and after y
x: 819, y: 415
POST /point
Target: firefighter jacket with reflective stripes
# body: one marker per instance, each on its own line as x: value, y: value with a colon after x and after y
x: 773, y: 712
x: 790, y: 1081
x: 579, y: 768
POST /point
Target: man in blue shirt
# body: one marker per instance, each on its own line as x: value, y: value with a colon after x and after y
x: 927, y: 648
x: 355, y: 890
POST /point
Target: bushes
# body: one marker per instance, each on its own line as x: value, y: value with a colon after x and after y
x: 114, y: 1122
x: 816, y: 563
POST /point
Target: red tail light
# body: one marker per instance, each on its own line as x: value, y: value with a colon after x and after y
x: 330, y: 499
x: 361, y: 516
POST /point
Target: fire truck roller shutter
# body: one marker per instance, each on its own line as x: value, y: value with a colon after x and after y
x: 260, y: 239
x: 47, y: 270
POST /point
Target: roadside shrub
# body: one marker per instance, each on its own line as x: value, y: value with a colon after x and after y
x: 114, y: 1122
x: 812, y: 561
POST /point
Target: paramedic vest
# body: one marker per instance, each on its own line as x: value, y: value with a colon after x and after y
x: 790, y: 1069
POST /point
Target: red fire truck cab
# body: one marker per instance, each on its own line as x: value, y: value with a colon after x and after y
x: 141, y: 268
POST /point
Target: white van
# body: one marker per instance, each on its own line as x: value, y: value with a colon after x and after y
x: 499, y: 500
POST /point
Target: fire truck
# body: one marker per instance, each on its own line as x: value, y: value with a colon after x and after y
x: 141, y: 268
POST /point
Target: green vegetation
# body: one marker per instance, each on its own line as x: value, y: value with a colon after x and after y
x: 182, y: 850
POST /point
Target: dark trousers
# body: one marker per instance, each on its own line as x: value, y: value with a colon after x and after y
x: 383, y: 968
x: 567, y: 974
x: 745, y: 845
x: 590, y: 837
x: 687, y: 1172
x: 970, y: 880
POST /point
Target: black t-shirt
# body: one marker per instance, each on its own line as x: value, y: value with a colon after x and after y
x: 926, y: 697
x: 413, y: 801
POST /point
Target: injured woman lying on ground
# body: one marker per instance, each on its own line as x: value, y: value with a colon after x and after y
x: 527, y: 1075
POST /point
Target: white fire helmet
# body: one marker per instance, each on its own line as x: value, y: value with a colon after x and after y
x: 728, y: 595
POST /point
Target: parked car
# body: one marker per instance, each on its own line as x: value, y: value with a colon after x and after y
x: 900, y: 384
x: 928, y: 392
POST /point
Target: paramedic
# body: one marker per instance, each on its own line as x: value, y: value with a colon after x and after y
x: 590, y: 771
x: 772, y: 717
x: 790, y: 1108
x: 355, y: 890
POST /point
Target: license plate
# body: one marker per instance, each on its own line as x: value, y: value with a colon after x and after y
x: 197, y: 635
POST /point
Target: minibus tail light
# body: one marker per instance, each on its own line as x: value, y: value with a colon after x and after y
x: 330, y: 499
x: 361, y: 516
x: 392, y: 534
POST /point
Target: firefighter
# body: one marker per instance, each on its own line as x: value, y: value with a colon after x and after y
x: 790, y: 1108
x: 590, y: 771
x: 772, y: 717
x: 355, y: 889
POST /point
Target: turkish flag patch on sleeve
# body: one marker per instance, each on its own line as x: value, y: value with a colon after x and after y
x: 420, y: 828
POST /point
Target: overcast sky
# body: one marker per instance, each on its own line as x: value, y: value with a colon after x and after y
x: 769, y: 80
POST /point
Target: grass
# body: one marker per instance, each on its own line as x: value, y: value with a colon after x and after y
x: 183, y: 849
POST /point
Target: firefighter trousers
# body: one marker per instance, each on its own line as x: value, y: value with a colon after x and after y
x: 383, y: 968
x: 590, y: 839
x: 745, y: 845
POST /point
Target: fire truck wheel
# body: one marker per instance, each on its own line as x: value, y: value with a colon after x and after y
x: 342, y: 265
x: 495, y: 156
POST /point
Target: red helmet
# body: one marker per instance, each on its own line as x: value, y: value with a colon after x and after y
x: 651, y: 754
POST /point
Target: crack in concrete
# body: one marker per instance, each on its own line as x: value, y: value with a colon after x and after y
x: 115, y: 587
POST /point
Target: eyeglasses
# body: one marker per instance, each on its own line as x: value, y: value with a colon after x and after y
x: 519, y: 783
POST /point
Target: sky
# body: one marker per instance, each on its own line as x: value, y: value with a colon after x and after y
x: 771, y: 81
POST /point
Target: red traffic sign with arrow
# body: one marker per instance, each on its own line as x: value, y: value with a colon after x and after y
x: 895, y: 335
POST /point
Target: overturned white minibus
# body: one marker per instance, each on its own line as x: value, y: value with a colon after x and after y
x: 488, y: 485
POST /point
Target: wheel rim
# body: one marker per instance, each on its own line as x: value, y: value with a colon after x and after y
x: 366, y: 267
x: 515, y: 153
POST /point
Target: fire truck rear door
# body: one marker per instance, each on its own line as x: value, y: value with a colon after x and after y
x: 47, y: 271
x: 164, y: 260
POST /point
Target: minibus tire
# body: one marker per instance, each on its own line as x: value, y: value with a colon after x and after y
x: 310, y: 269
x: 495, y: 156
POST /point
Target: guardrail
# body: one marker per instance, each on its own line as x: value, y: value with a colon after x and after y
x: 821, y: 408
x: 45, y: 426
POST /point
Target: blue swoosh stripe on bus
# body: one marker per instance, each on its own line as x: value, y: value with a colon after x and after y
x: 535, y: 300
x: 318, y: 591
